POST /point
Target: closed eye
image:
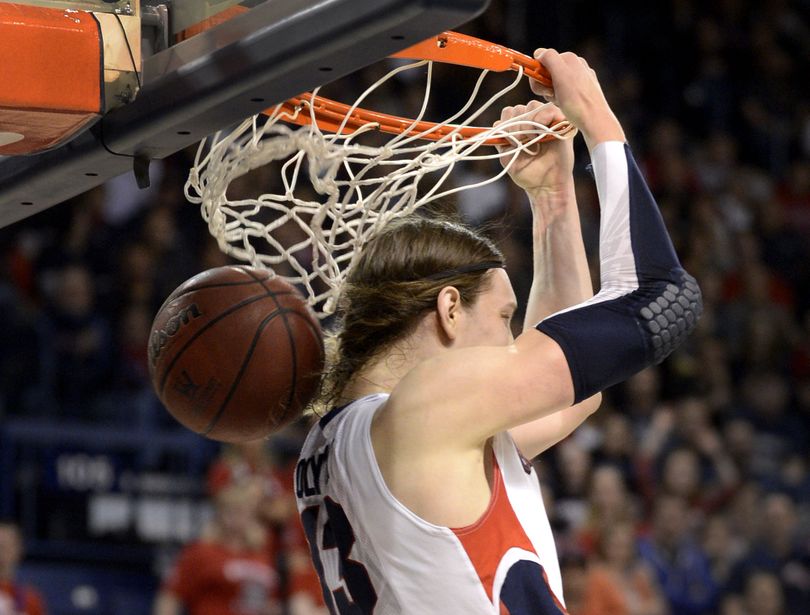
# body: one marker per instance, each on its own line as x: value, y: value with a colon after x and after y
x: 508, y: 311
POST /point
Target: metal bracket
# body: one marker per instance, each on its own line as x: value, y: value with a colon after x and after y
x: 154, y: 28
x: 121, y: 36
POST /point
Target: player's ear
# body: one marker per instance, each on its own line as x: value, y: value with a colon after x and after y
x: 448, y: 310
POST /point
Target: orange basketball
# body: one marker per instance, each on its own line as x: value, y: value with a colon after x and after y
x: 235, y: 353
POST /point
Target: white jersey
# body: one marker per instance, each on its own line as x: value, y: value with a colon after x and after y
x: 374, y: 555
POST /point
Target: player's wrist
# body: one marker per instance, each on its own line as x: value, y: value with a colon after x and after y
x: 557, y: 180
x: 602, y: 129
x: 552, y: 193
x: 551, y: 207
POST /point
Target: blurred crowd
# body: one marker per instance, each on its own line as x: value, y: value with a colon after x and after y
x: 688, y: 492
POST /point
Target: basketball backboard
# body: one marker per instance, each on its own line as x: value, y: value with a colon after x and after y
x: 276, y: 50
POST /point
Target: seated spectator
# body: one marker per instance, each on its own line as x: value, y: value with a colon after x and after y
x: 132, y: 341
x: 764, y: 596
x: 778, y: 551
x: 680, y: 565
x: 705, y: 484
x: 723, y: 548
x: 164, y: 237
x: 733, y: 604
x: 686, y: 458
x: 572, y: 473
x: 609, y: 504
x: 767, y: 403
x: 642, y: 398
x: 18, y: 361
x: 251, y: 463
x: 15, y: 598
x: 573, y: 568
x: 617, y: 446
x: 227, y: 571
x: 619, y: 583
x: 75, y: 343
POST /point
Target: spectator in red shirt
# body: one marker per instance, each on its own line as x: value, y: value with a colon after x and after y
x: 15, y: 598
x: 252, y: 463
x: 228, y: 571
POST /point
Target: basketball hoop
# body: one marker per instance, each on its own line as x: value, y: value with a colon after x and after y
x: 338, y: 189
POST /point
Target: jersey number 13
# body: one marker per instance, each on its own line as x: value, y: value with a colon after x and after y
x: 337, y: 534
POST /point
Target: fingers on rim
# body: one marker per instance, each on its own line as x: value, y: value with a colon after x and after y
x: 549, y: 53
x: 539, y: 88
x: 507, y: 113
x: 549, y: 115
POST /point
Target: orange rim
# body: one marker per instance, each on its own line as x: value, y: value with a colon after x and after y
x: 448, y: 48
x: 464, y: 50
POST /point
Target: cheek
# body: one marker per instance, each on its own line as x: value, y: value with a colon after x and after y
x: 495, y: 333
x: 502, y: 336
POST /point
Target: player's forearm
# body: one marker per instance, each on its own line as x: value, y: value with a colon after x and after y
x: 541, y: 434
x: 601, y: 127
x: 561, y: 279
x: 561, y: 275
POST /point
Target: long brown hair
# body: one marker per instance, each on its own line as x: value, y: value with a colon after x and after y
x: 396, y: 281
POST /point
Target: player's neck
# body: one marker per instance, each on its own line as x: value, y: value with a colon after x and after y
x: 383, y: 373
x: 379, y: 376
x: 373, y: 379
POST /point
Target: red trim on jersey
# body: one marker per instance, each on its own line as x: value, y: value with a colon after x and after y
x: 491, y: 536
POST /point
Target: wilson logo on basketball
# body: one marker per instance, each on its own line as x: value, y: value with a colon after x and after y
x: 160, y: 337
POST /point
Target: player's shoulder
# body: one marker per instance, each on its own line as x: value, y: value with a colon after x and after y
x: 337, y: 446
x: 345, y: 416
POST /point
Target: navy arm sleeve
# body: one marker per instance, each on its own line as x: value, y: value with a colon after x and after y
x: 647, y: 304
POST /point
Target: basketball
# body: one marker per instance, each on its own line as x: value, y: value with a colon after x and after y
x: 235, y: 353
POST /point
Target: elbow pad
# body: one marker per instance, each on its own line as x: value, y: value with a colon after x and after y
x: 648, y: 303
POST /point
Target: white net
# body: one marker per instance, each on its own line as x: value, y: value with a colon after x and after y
x: 337, y: 190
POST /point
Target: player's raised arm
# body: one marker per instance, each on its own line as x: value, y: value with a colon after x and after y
x: 648, y: 303
x: 645, y: 308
